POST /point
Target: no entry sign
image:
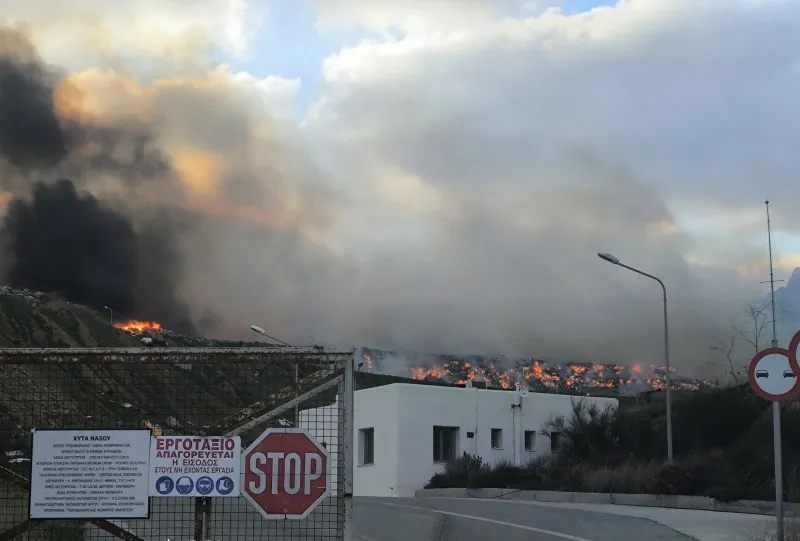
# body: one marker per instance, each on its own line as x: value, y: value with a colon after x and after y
x: 286, y: 473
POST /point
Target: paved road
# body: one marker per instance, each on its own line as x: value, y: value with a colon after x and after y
x: 433, y: 519
x: 397, y: 519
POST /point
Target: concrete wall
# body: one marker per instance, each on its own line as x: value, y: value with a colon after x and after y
x: 374, y: 408
x: 698, y: 503
x: 377, y: 408
x: 403, y: 416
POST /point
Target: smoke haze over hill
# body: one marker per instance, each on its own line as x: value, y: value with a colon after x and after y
x: 169, y: 187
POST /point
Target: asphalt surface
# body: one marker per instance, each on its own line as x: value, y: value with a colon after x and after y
x: 395, y: 519
x: 434, y: 519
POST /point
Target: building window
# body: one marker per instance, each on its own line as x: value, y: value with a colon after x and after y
x: 555, y: 441
x: 530, y: 440
x: 366, y: 444
x: 445, y: 443
x: 497, y: 438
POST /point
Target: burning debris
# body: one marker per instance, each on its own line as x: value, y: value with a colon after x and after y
x: 138, y: 327
x: 152, y: 333
x: 537, y: 374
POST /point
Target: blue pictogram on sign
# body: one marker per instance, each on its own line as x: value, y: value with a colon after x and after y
x: 184, y: 485
x: 204, y: 485
x: 224, y: 486
x: 164, y: 485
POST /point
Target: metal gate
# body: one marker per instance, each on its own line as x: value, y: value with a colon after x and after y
x: 178, y: 391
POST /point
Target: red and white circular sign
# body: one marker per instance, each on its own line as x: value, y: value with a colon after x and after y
x: 286, y: 473
x: 772, y: 376
x: 793, y: 347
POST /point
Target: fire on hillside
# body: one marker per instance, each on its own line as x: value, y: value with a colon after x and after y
x: 135, y: 326
x: 505, y: 374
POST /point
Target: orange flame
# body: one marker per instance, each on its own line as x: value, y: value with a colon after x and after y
x: 553, y: 376
x: 139, y: 326
x: 572, y: 376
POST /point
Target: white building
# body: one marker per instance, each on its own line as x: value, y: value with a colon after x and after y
x: 407, y: 432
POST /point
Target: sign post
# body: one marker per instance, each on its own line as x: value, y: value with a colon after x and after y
x: 286, y: 474
x: 773, y: 376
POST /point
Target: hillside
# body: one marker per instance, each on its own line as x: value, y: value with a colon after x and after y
x: 174, y: 397
x: 168, y: 395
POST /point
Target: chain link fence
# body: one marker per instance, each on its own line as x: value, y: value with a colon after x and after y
x: 181, y: 392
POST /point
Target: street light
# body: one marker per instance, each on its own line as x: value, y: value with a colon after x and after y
x: 262, y: 332
x: 614, y: 261
x: 111, y: 312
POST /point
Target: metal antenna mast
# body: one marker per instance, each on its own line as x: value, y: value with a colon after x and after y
x: 776, y: 406
x: 771, y: 279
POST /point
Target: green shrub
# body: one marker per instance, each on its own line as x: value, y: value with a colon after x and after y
x: 457, y: 473
x: 694, y: 474
x: 628, y: 478
x: 504, y: 474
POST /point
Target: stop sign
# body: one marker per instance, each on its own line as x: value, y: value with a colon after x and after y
x: 285, y: 473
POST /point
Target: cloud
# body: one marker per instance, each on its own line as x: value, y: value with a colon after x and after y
x: 453, y: 181
x: 409, y: 16
x: 552, y: 137
x: 139, y: 32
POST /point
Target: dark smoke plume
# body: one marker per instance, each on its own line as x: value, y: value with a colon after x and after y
x: 62, y: 240
x: 30, y: 134
x: 66, y: 242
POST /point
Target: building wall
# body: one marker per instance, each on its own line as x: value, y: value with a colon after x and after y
x: 376, y: 408
x: 478, y: 411
x: 403, y: 416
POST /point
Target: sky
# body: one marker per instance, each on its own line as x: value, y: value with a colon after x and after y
x: 291, y: 45
x: 442, y: 173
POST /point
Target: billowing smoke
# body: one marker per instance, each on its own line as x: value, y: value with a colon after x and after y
x: 405, y: 214
x: 60, y: 239
x: 66, y: 242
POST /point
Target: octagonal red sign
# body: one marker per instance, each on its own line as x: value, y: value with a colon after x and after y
x: 286, y: 473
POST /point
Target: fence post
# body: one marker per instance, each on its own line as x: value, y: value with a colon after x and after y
x: 347, y: 446
x: 202, y: 512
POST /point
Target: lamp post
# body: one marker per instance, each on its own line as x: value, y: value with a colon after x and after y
x: 111, y: 313
x: 262, y: 332
x: 614, y: 261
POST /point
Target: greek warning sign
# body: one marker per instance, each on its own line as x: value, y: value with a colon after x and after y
x: 186, y: 466
x: 89, y: 474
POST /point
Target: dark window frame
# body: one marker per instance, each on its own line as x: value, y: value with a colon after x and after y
x: 445, y: 443
x: 366, y: 443
x: 496, y: 438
